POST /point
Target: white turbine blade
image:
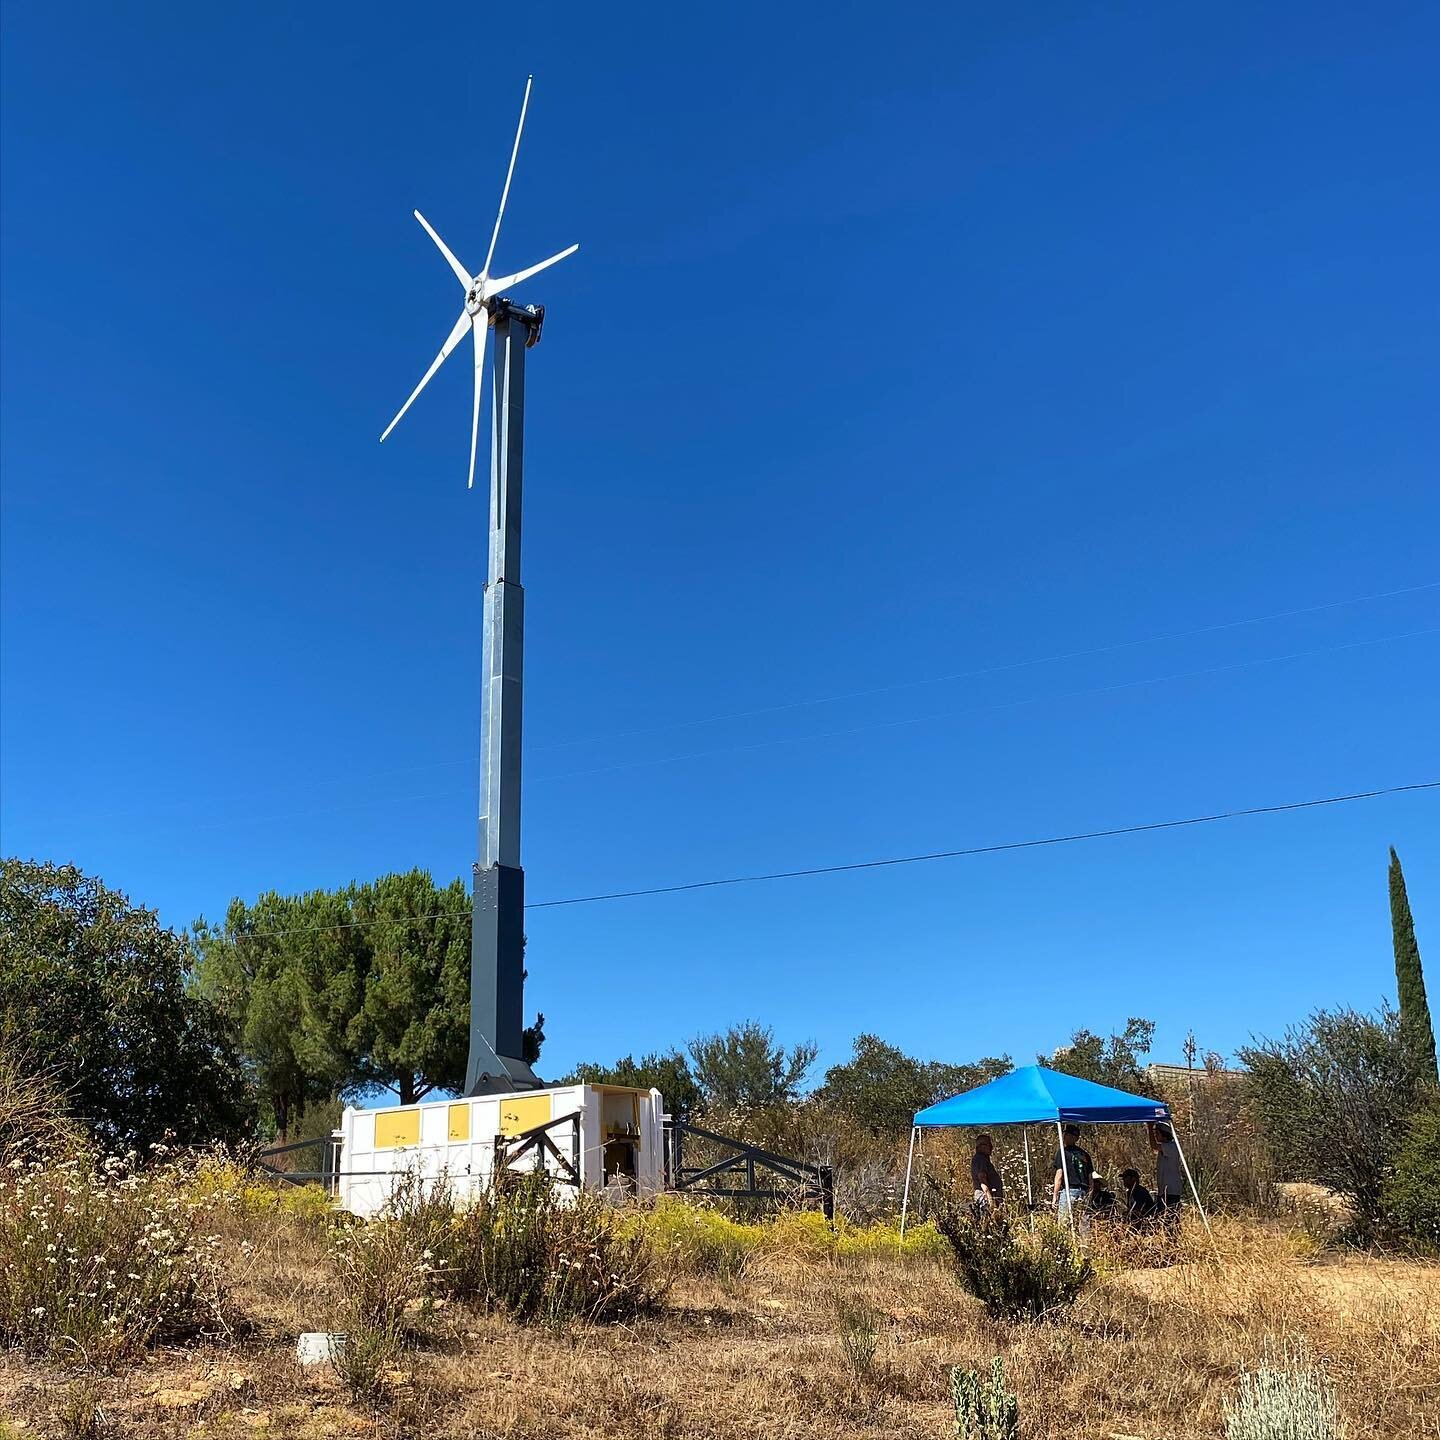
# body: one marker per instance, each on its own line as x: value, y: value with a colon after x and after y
x: 455, y: 336
x: 509, y: 175
x: 482, y: 331
x: 461, y: 273
x: 494, y: 287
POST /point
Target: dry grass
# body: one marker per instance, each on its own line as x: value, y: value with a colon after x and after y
x: 781, y: 1348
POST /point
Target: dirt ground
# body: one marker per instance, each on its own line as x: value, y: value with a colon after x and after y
x: 1147, y: 1353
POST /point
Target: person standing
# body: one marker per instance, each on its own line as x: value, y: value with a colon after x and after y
x: 989, y: 1188
x: 1073, y: 1170
x: 1169, y: 1178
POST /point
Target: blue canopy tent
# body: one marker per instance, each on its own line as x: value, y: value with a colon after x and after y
x: 1035, y: 1095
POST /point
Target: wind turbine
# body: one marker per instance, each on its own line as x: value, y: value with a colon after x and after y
x: 479, y: 289
x: 497, y: 1063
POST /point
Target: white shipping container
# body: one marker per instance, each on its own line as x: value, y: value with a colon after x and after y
x: 603, y: 1137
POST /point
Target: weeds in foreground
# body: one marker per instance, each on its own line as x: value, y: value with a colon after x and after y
x: 522, y: 1250
x: 1018, y: 1274
x: 364, y: 1356
x: 518, y: 1248
x: 859, y: 1336
x: 78, y: 1415
x: 1292, y: 1400
x: 986, y: 1408
x: 101, y: 1263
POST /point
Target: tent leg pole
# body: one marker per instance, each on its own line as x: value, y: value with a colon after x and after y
x: 1185, y: 1164
x: 1029, y: 1183
x: 909, y: 1165
x: 1065, y: 1177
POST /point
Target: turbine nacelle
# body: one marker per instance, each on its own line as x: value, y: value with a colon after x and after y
x: 480, y: 289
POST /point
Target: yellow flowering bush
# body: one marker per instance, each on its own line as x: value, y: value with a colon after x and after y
x: 704, y: 1241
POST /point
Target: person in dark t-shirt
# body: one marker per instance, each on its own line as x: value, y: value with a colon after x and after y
x: 989, y: 1189
x: 1073, y: 1168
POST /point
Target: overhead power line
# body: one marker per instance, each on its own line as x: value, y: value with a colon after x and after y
x: 992, y: 849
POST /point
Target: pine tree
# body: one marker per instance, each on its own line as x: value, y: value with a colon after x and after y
x: 1415, y: 1022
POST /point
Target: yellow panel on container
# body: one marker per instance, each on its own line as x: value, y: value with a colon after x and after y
x: 523, y: 1112
x: 459, y: 1122
x: 394, y: 1128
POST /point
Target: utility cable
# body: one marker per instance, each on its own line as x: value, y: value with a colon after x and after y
x: 972, y: 850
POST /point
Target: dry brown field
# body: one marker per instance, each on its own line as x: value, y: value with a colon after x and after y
x: 1146, y: 1352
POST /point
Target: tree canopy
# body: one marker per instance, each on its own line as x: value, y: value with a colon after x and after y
x: 743, y: 1068
x: 1416, y: 1026
x: 882, y: 1087
x: 1334, y: 1099
x: 1114, y: 1061
x: 668, y: 1072
x: 97, y: 989
x: 339, y: 992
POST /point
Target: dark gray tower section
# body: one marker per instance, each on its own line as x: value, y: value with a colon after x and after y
x: 498, y: 928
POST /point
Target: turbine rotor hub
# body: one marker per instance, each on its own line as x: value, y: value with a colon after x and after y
x: 475, y: 298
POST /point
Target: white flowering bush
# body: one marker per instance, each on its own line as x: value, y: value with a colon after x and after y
x: 96, y: 1263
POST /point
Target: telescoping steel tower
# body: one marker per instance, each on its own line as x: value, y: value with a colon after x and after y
x: 497, y: 942
x: 497, y: 936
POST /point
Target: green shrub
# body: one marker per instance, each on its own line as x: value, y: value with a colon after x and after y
x: 521, y: 1248
x: 1290, y: 1401
x: 220, y: 1180
x: 363, y: 1357
x: 536, y: 1255
x: 99, y: 1264
x: 1018, y: 1274
x: 986, y: 1408
x: 1412, y: 1191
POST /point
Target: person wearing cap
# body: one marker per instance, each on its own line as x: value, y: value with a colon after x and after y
x: 1169, y: 1179
x: 989, y: 1188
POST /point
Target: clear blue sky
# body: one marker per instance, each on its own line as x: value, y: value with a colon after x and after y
x: 903, y: 341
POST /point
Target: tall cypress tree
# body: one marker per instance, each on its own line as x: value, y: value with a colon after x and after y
x: 1415, y: 1023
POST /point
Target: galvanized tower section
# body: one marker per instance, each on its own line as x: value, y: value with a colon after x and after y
x: 497, y: 939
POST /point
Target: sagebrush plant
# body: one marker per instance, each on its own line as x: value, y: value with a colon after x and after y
x: 101, y: 1262
x: 859, y: 1335
x: 1286, y: 1399
x: 1019, y: 1274
x: 986, y: 1408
